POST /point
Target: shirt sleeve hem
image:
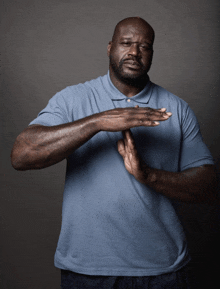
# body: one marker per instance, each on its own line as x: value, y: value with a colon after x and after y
x: 198, y: 164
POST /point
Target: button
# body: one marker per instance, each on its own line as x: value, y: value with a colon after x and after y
x: 128, y: 100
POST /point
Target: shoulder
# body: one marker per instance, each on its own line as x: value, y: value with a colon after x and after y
x: 83, y: 88
x: 179, y: 107
x: 169, y: 97
x: 78, y: 92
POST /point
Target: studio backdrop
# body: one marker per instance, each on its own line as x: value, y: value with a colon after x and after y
x: 47, y: 45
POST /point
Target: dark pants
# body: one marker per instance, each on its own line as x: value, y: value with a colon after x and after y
x: 175, y: 280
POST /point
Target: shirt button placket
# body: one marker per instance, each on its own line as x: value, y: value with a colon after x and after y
x: 129, y: 102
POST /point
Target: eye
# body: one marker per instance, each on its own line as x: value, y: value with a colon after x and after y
x: 146, y: 47
x: 126, y: 43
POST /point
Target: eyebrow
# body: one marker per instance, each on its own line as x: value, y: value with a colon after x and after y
x: 130, y: 39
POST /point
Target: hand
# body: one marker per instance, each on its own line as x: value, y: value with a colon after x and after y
x: 121, y: 119
x: 132, y: 161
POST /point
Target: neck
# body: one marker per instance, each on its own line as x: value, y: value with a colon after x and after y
x: 126, y: 88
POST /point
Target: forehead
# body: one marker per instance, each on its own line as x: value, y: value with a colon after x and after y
x: 140, y: 32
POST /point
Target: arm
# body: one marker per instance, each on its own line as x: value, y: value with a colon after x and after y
x: 42, y: 146
x: 194, y: 185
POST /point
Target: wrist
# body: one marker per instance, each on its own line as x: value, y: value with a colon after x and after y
x: 144, y: 174
x: 95, y: 123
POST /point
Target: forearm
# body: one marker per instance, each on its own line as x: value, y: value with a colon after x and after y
x: 42, y: 146
x: 195, y: 185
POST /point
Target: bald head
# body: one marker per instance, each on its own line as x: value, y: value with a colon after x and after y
x: 135, y: 22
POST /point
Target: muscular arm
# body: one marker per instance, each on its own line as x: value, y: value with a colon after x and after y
x: 194, y: 185
x: 42, y: 146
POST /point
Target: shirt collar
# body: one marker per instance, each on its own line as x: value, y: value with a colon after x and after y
x: 141, y: 97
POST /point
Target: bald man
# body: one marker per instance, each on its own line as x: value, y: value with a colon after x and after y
x: 131, y: 148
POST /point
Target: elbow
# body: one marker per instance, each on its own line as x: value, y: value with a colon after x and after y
x: 18, y: 166
x: 15, y: 164
x: 210, y: 193
x: 213, y: 189
x: 20, y: 156
x: 27, y: 157
x: 18, y: 160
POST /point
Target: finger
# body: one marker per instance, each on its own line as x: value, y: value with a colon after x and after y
x: 157, y: 115
x: 127, y: 135
x: 129, y: 142
x: 142, y: 121
x: 158, y: 111
x: 130, y: 149
x: 125, y: 138
x: 162, y: 109
x: 146, y: 120
x: 148, y: 113
x: 121, y: 147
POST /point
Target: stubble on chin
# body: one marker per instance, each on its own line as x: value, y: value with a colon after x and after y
x: 133, y: 79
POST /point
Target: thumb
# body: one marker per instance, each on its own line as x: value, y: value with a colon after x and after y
x: 121, y: 147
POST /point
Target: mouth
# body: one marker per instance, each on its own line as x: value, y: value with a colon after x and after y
x: 132, y: 64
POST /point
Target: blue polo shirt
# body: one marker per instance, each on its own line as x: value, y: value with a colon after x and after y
x: 111, y: 224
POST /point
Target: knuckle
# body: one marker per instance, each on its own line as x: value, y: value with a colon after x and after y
x: 149, y: 123
x: 148, y: 115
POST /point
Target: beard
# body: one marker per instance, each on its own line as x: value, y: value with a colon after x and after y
x: 138, y: 79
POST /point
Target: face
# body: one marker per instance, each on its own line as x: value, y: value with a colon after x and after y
x: 130, y: 53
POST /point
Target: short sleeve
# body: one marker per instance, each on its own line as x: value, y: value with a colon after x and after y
x: 55, y: 113
x: 194, y: 151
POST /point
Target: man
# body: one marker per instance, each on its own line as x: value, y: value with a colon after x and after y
x: 131, y: 147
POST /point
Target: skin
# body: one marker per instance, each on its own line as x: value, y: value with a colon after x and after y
x: 130, y: 53
x: 195, y: 185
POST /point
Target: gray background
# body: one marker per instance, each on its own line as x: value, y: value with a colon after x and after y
x: 48, y: 45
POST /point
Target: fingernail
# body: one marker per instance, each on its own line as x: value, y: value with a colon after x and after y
x: 169, y: 113
x: 163, y: 109
x: 156, y: 122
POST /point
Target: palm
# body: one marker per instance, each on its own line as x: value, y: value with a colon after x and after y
x: 128, y: 151
x: 131, y: 163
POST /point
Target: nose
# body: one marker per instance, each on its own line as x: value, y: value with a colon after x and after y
x: 134, y: 50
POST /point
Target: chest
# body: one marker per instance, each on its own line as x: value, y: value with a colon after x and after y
x: 158, y: 146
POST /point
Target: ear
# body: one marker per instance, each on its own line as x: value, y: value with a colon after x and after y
x: 109, y: 48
